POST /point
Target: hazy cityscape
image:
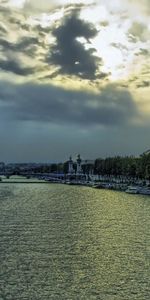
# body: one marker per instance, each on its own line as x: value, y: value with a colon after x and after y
x: 129, y: 174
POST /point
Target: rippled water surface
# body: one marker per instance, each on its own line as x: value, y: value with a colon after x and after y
x: 73, y: 243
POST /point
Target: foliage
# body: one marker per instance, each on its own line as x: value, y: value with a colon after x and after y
x: 128, y: 166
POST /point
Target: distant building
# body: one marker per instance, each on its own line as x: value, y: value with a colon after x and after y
x: 80, y: 169
x: 88, y: 166
x: 71, y: 170
x: 2, y: 166
x: 146, y: 152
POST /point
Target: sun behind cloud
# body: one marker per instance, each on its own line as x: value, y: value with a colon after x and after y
x: 17, y: 3
x: 76, y: 45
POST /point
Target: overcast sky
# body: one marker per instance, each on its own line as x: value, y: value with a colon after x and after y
x: 74, y: 78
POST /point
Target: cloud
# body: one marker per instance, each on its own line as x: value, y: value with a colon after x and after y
x: 77, y: 48
x: 3, y: 29
x: 144, y: 84
x: 143, y: 52
x: 40, y: 6
x: 69, y: 53
x: 19, y: 51
x: 47, y: 5
x: 143, y: 5
x: 113, y: 106
x: 24, y: 45
x: 104, y: 23
x: 119, y: 46
x: 14, y: 66
x: 139, y: 32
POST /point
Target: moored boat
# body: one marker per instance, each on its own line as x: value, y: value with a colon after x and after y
x: 138, y: 190
x: 132, y: 190
x: 144, y: 191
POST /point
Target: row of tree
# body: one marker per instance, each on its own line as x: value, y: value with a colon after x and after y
x: 129, y: 166
x: 124, y: 166
x: 50, y: 168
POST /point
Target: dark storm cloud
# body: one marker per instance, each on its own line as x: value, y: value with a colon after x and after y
x: 5, y: 45
x: 69, y: 53
x: 26, y: 40
x: 28, y: 46
x: 3, y: 29
x: 24, y: 45
x: 14, y: 66
x: 143, y: 84
x: 45, y: 103
x: 10, y: 53
x: 144, y: 52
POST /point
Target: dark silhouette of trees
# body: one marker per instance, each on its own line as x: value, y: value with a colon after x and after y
x: 128, y: 166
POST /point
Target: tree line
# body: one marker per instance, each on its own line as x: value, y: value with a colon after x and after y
x: 129, y: 166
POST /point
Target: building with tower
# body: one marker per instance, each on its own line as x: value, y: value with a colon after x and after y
x: 71, y: 170
x: 80, y: 170
x: 79, y: 167
x: 75, y: 171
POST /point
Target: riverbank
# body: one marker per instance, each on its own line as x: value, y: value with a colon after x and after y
x: 21, y: 182
x: 122, y: 187
x: 129, y: 187
x: 21, y: 179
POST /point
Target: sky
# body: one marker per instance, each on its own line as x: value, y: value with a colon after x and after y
x: 74, y: 78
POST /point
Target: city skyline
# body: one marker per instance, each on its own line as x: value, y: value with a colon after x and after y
x: 74, y: 78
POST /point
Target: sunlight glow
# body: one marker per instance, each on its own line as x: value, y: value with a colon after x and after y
x: 112, y: 43
x: 17, y: 3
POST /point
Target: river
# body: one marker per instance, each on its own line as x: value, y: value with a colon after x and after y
x: 60, y: 242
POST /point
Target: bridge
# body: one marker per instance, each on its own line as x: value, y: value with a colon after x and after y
x: 33, y: 175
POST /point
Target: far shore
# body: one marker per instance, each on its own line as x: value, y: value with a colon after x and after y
x: 136, y: 186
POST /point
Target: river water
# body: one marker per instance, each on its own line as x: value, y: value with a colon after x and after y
x: 73, y: 243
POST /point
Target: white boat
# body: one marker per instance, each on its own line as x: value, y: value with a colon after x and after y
x: 138, y: 190
x: 144, y: 191
x: 132, y: 190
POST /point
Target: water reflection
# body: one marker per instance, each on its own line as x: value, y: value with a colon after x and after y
x: 69, y: 242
